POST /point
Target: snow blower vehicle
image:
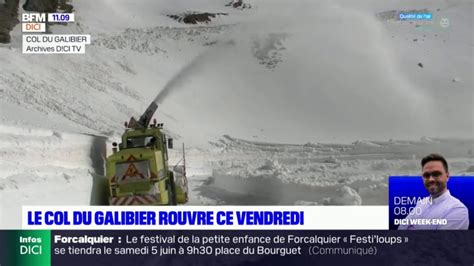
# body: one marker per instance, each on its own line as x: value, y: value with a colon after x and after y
x: 138, y: 172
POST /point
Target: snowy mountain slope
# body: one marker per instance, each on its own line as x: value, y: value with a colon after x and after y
x: 320, y: 74
x: 281, y: 72
x: 335, y: 95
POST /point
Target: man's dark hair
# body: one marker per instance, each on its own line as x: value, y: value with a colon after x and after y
x: 435, y: 157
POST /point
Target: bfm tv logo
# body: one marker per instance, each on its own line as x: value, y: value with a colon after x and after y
x: 35, y: 22
x: 30, y: 246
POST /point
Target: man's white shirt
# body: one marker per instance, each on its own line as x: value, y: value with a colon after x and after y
x: 445, y: 207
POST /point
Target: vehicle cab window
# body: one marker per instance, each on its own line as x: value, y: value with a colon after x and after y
x: 141, y: 142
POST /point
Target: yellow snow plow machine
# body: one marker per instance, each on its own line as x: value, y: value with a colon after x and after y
x: 138, y: 172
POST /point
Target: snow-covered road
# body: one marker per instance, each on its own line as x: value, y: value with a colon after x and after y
x: 250, y: 172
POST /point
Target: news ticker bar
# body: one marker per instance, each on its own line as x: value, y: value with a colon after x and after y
x: 234, y: 247
x: 36, y: 41
x: 205, y: 218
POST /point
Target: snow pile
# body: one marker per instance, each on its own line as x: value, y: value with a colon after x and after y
x: 42, y: 167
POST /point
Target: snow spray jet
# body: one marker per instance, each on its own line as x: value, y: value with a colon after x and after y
x: 175, y: 83
x: 190, y: 69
